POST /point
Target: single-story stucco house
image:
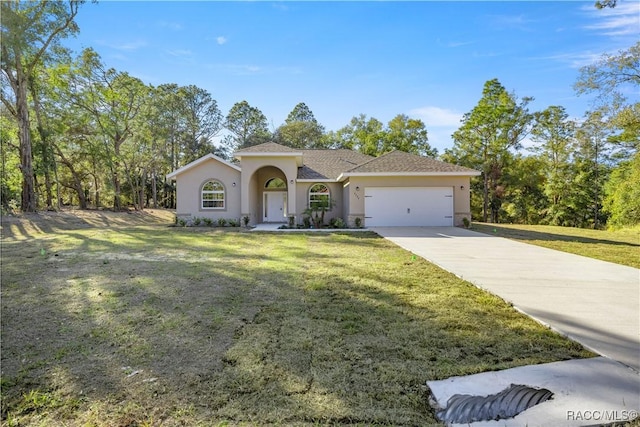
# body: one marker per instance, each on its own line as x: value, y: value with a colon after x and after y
x: 271, y: 182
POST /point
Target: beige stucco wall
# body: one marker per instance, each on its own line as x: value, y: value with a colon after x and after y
x: 245, y: 198
x: 335, y: 189
x: 189, y: 185
x: 461, y: 196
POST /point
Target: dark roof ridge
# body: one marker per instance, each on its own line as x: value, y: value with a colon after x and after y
x: 365, y: 163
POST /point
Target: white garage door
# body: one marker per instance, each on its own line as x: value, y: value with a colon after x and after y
x: 408, y: 206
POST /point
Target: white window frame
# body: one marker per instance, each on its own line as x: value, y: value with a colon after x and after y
x: 311, y: 201
x: 270, y: 180
x: 214, y: 193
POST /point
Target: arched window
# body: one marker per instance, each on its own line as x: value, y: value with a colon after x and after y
x: 212, y: 195
x: 275, y: 183
x: 319, y: 197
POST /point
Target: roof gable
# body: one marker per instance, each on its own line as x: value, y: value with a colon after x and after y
x: 196, y: 162
x: 270, y: 149
x: 267, y: 147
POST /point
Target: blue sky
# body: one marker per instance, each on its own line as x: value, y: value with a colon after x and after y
x: 428, y: 60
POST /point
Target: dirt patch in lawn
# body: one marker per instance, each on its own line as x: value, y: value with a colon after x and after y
x: 23, y: 226
x: 116, y: 319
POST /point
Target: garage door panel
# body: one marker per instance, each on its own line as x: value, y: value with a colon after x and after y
x: 408, y: 206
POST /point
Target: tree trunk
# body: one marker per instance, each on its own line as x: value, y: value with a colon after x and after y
x: 77, y: 181
x: 47, y: 180
x: 485, y: 197
x: 97, y: 191
x: 116, y: 188
x: 47, y: 157
x: 28, y: 202
x: 143, y: 180
x: 154, y: 190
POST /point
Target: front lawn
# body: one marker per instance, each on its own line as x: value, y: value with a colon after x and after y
x: 620, y: 247
x: 156, y: 325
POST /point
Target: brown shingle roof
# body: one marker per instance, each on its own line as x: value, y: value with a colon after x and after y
x: 268, y: 147
x: 329, y: 164
x: 401, y: 162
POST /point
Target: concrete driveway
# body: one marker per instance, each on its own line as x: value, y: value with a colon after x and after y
x: 594, y: 302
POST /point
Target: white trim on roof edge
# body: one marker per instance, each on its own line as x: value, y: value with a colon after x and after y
x: 202, y: 159
x: 460, y: 173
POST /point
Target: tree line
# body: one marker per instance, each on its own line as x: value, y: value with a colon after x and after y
x: 73, y: 131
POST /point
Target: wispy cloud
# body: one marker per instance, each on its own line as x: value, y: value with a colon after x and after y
x: 221, y: 40
x: 253, y: 69
x: 453, y: 44
x: 182, y: 53
x: 573, y: 59
x: 510, y: 22
x: 175, y: 26
x: 622, y: 20
x: 280, y: 6
x: 436, y: 116
x: 127, y: 46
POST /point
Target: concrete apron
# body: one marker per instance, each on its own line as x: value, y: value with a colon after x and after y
x: 593, y: 302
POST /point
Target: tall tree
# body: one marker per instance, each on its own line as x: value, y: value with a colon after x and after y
x: 609, y: 75
x: 496, y: 125
x: 593, y: 165
x: 622, y: 194
x: 30, y: 31
x: 611, y: 78
x: 554, y: 133
x: 301, y: 129
x: 72, y: 133
x: 169, y: 121
x: 247, y: 125
x: 410, y: 135
x: 524, y: 198
x: 364, y: 135
x: 203, y: 122
x: 114, y: 100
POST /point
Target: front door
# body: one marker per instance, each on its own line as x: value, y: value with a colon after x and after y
x: 275, y: 206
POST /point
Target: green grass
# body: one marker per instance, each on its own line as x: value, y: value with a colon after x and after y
x: 152, y: 325
x: 620, y: 246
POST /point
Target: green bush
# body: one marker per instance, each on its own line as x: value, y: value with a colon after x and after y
x: 222, y: 222
x: 233, y: 222
x: 337, y: 223
x: 207, y: 221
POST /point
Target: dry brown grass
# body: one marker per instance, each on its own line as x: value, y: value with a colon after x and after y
x: 131, y: 325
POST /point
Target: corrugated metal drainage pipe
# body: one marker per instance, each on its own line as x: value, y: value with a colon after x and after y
x: 464, y: 408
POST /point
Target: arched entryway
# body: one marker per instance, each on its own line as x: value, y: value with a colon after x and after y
x: 271, y: 195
